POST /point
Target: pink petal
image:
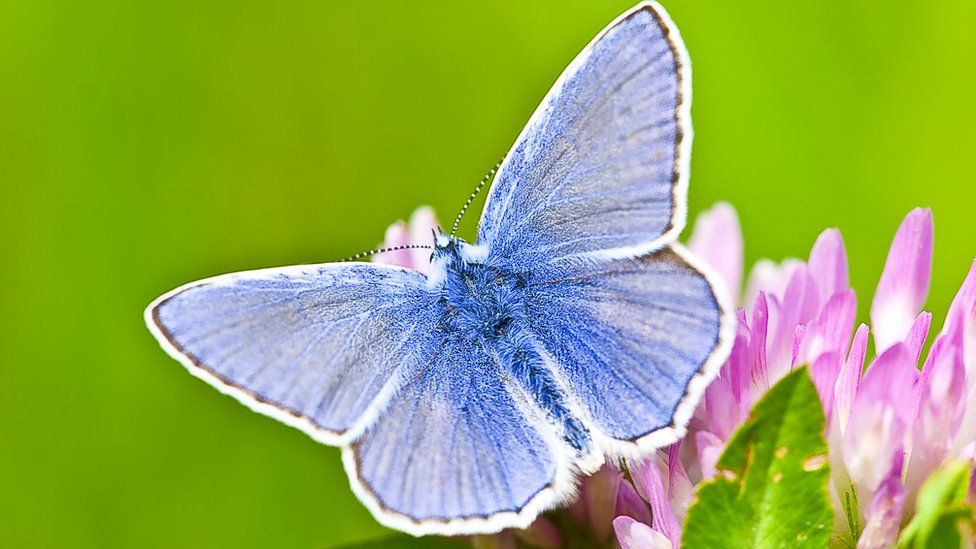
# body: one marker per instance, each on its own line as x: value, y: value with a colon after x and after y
x: 828, y: 263
x: 831, y: 331
x: 422, y: 222
x: 717, y: 239
x: 966, y: 434
x: 962, y: 316
x: 802, y: 298
x: 767, y: 276
x: 904, y: 283
x: 722, y: 410
x: 629, y: 503
x: 961, y: 320
x: 637, y: 535
x: 681, y: 491
x: 800, y: 305
x: 759, y: 376
x: 850, y: 377
x: 664, y: 520
x: 638, y: 474
x: 917, y: 334
x: 824, y: 372
x: 881, y: 413
x: 396, y: 235
x: 939, y: 407
x: 798, y: 334
x: 884, y: 513
x: 776, y: 346
x: 889, y: 380
x: 709, y: 448
x: 740, y: 361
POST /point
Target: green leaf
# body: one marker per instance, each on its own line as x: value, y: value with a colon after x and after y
x: 770, y: 489
x: 941, y: 511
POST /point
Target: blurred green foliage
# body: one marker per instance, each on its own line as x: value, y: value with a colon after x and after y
x: 943, y: 515
x: 146, y: 144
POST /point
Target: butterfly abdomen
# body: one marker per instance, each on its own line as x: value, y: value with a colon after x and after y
x: 517, y: 351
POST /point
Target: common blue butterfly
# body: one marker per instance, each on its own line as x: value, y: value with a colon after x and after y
x: 574, y: 330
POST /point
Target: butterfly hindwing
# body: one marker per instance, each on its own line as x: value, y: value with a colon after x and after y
x: 601, y: 167
x: 456, y: 450
x: 635, y: 340
x: 319, y: 347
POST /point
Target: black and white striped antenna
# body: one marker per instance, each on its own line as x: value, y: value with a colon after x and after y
x: 474, y: 194
x: 369, y: 253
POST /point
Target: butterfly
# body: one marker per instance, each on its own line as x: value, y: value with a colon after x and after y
x: 573, y: 331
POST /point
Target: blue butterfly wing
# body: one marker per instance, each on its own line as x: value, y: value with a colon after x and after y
x: 601, y: 168
x: 318, y: 347
x: 635, y: 340
x: 437, y: 441
x: 458, y: 451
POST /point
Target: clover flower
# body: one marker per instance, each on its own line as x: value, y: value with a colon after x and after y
x: 888, y: 426
x: 888, y: 430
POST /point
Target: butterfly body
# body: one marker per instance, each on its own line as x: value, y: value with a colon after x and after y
x: 575, y: 329
x: 485, y: 304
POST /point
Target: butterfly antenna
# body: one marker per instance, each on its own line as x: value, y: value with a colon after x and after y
x: 474, y: 194
x: 368, y: 253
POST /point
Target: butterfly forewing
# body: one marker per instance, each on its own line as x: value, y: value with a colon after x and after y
x: 319, y: 347
x: 601, y: 167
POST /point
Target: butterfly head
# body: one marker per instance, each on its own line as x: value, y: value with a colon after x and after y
x: 452, y: 253
x: 443, y: 241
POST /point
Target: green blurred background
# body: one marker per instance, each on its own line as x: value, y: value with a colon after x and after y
x: 143, y: 145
